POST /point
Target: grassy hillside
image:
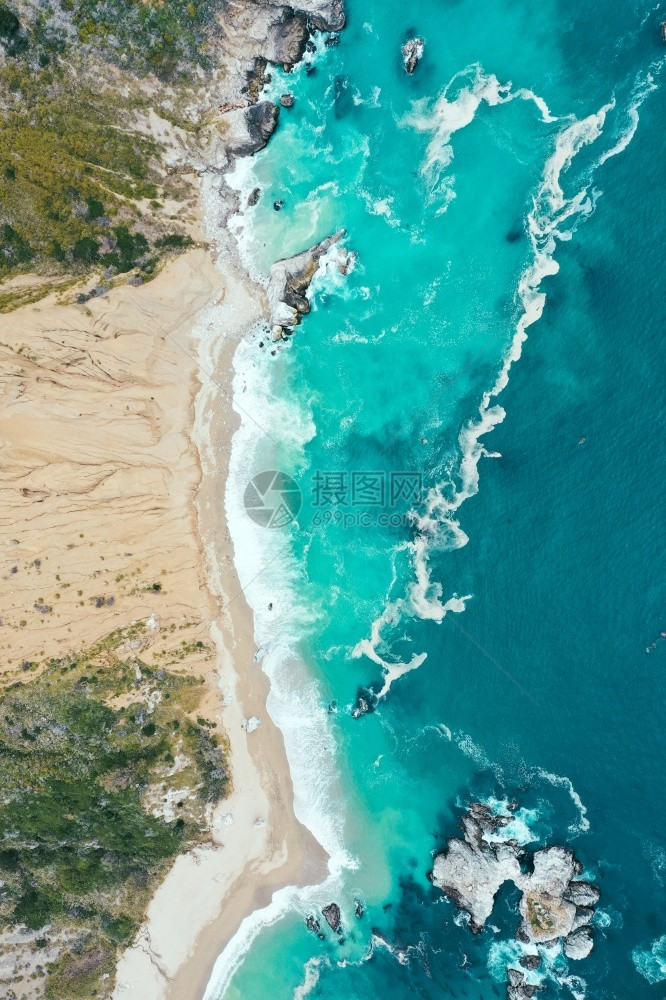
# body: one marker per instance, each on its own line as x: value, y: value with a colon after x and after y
x: 106, y: 774
x: 79, y: 186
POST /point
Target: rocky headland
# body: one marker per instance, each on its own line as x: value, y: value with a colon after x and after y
x: 289, y: 281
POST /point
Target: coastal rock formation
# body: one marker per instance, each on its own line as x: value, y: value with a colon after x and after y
x: 412, y: 51
x: 366, y: 702
x: 250, y: 128
x: 323, y: 15
x: 579, y: 944
x: 287, y: 37
x: 332, y: 915
x: 287, y: 100
x: 518, y: 989
x: 288, y: 283
x: 582, y: 893
x: 554, y: 905
x: 546, y: 913
x: 472, y: 870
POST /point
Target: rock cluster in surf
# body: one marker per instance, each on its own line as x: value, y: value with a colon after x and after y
x: 555, y: 906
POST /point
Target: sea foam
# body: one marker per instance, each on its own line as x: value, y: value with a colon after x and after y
x: 553, y: 218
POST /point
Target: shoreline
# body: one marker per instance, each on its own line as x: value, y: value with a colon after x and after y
x: 258, y: 844
x: 148, y: 473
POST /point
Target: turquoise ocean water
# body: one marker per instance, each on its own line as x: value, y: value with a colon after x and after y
x: 504, y: 622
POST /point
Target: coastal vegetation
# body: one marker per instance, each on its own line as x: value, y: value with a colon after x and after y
x: 81, y: 186
x: 108, y: 771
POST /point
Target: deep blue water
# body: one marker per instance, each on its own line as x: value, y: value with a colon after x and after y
x: 534, y: 597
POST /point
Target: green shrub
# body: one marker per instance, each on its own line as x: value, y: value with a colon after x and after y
x: 86, y: 250
x: 9, y: 22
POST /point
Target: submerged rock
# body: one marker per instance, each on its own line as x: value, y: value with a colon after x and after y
x: 331, y: 914
x: 289, y: 281
x: 412, y: 51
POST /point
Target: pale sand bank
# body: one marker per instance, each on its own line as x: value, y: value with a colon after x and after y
x: 102, y: 493
x: 204, y: 899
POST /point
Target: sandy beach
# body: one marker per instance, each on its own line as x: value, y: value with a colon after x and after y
x: 257, y: 845
x: 117, y: 424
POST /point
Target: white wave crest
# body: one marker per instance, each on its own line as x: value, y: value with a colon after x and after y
x: 553, y: 218
x: 651, y: 961
x: 312, y: 974
x: 644, y: 85
x: 449, y: 115
x: 583, y: 824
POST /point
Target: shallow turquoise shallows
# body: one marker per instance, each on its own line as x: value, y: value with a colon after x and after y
x: 476, y: 560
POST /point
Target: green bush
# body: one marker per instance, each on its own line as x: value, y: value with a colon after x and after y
x: 9, y: 22
x: 86, y: 250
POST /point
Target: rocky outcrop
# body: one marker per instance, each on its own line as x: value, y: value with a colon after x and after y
x: 579, y: 944
x: 472, y: 871
x: 518, y: 988
x: 287, y: 100
x: 554, y: 905
x: 412, y: 51
x: 286, y: 36
x: 323, y: 15
x: 249, y: 129
x: 582, y: 893
x: 288, y: 283
x: 253, y: 35
x: 546, y: 913
x: 331, y: 914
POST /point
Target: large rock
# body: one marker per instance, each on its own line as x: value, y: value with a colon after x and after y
x: 471, y: 872
x: 287, y: 37
x: 546, y: 914
x: 323, y: 15
x: 582, y: 893
x: 249, y: 129
x: 554, y: 905
x: 579, y: 944
x: 412, y: 51
x: 289, y: 281
x: 518, y: 988
x: 332, y: 915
